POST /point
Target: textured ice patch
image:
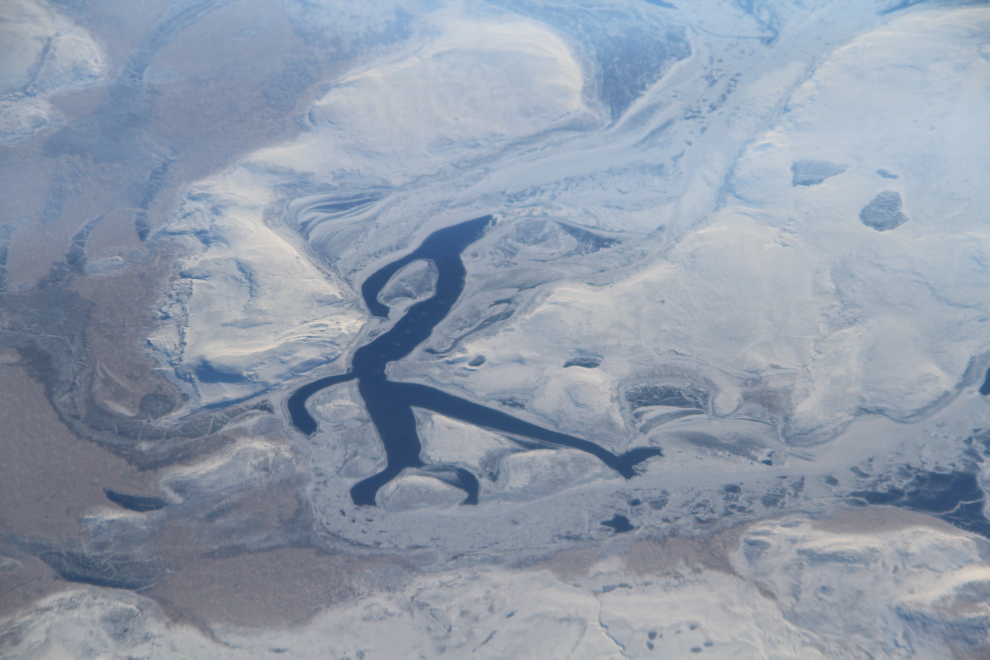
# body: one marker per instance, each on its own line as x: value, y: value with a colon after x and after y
x: 22, y: 118
x: 41, y: 53
x: 883, y: 212
x: 412, y: 491
x: 540, y: 472
x: 250, y: 464
x: 785, y: 299
x: 794, y: 590
x: 412, y: 283
x: 813, y: 172
x: 451, y: 441
x: 896, y: 93
x: 249, y: 308
x: 347, y: 443
x: 868, y: 590
x: 710, y: 614
x: 504, y: 79
x: 490, y: 613
x: 91, y: 623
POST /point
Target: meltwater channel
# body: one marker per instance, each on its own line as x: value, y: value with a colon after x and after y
x: 390, y: 403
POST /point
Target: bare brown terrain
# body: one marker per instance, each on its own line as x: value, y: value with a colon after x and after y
x: 226, y: 80
x: 48, y: 479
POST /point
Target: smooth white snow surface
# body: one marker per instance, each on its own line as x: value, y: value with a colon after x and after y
x: 476, y: 84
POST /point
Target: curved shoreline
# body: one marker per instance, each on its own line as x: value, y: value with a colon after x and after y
x: 390, y: 404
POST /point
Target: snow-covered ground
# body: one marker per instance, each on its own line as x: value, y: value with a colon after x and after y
x: 727, y: 269
x: 852, y: 587
x: 42, y: 53
x: 783, y: 289
x: 251, y: 309
x: 736, y: 262
x: 751, y: 233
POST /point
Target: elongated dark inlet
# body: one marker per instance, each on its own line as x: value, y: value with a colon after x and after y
x: 390, y: 404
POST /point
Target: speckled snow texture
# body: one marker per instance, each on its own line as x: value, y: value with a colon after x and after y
x: 795, y: 590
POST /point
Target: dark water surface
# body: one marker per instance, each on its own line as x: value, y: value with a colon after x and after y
x: 619, y: 523
x: 138, y: 503
x: 390, y: 404
x: 955, y: 497
x: 985, y: 387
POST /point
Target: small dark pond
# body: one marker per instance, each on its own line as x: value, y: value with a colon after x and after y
x: 619, y: 523
x: 586, y: 362
x: 135, y: 502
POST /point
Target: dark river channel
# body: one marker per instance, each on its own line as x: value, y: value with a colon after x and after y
x: 390, y: 404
